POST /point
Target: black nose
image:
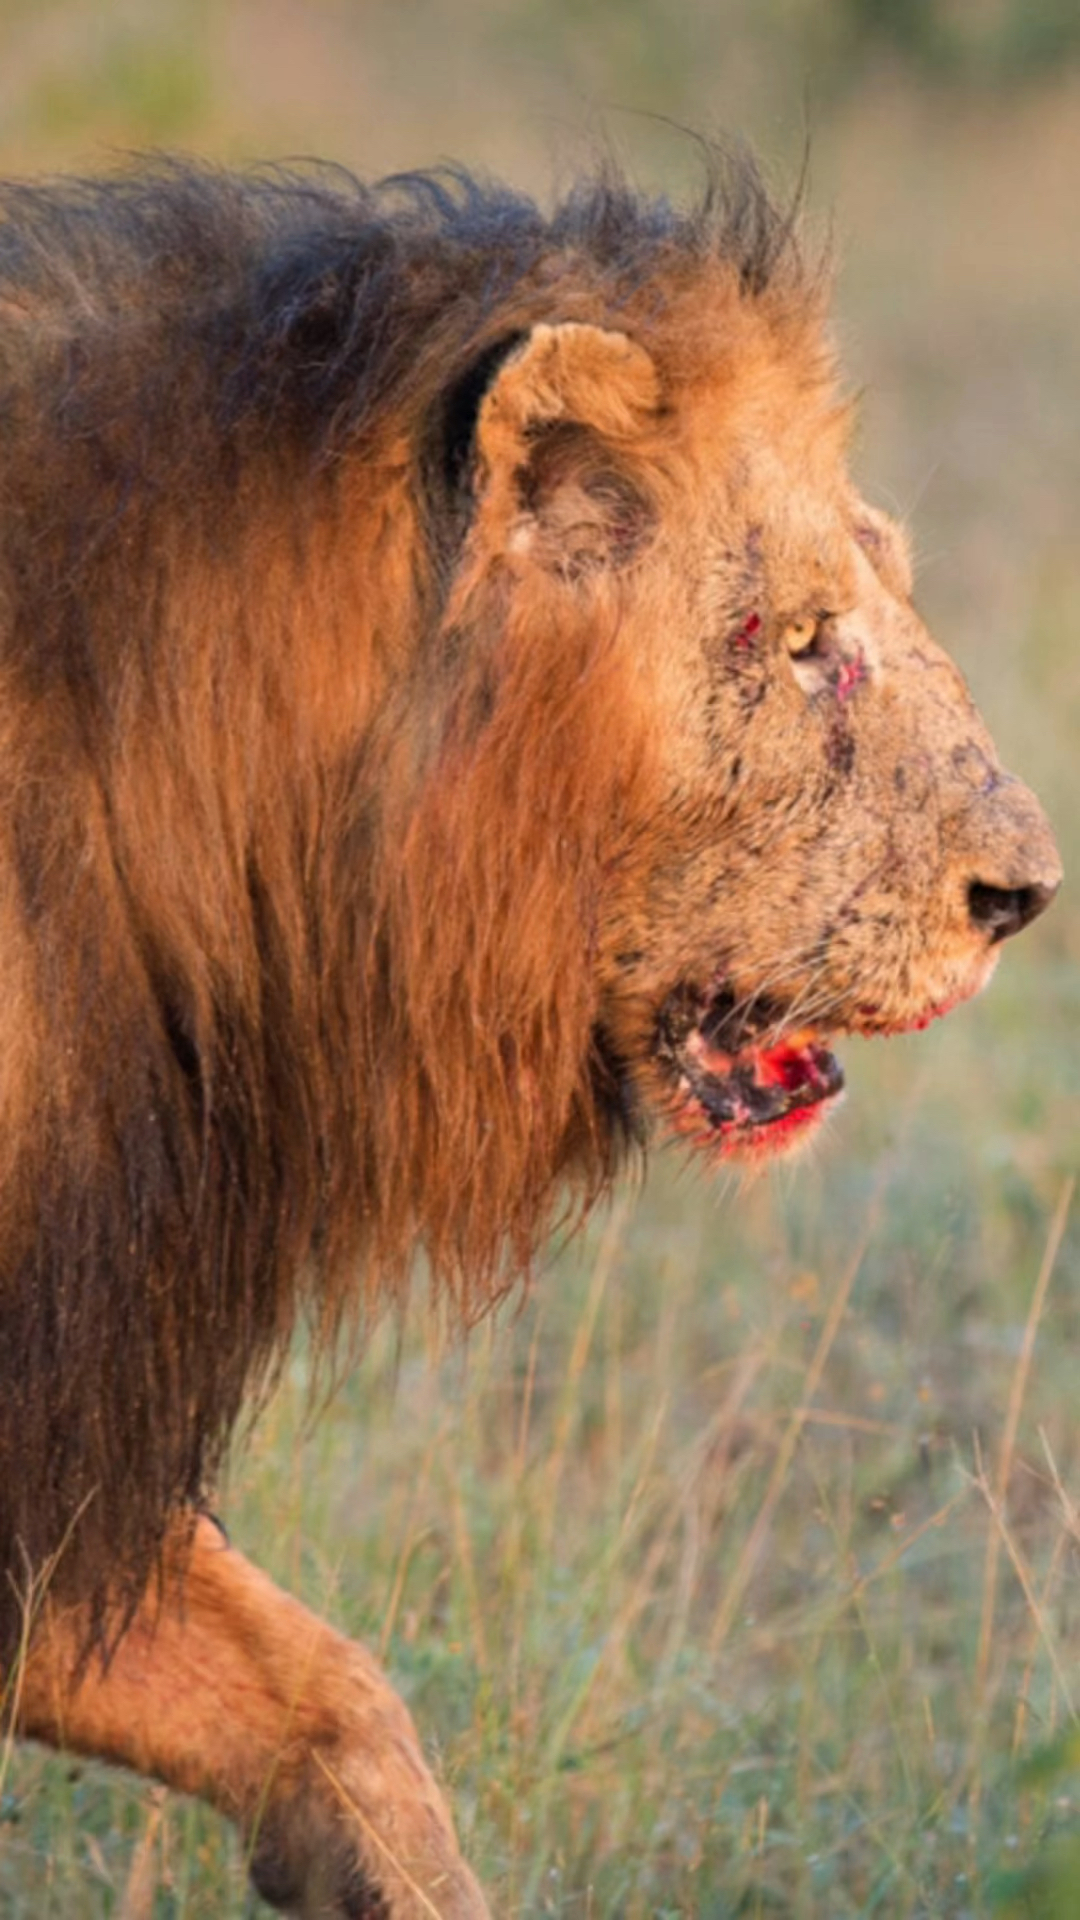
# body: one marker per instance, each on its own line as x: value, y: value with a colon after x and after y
x: 1001, y: 911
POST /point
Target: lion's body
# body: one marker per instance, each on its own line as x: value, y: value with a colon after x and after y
x: 398, y: 794
x: 205, y: 620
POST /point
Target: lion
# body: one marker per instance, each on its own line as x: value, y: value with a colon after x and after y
x: 459, y: 722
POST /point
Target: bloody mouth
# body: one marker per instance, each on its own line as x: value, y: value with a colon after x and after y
x: 738, y: 1081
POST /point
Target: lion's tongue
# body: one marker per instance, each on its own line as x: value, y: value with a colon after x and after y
x: 760, y: 1086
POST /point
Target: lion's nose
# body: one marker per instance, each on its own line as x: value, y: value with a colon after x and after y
x: 1002, y: 911
x: 1015, y: 866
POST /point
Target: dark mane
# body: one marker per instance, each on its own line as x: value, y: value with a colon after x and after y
x: 235, y: 421
x: 312, y: 290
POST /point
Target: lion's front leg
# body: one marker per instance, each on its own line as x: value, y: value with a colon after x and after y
x: 234, y: 1692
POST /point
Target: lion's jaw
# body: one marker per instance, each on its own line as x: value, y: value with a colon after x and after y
x: 748, y: 1082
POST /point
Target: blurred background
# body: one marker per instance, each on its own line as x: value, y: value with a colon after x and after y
x: 734, y: 1571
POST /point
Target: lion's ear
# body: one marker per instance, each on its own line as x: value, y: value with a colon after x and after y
x: 557, y: 437
x: 589, y: 375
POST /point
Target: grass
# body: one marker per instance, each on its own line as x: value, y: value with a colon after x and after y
x: 729, y: 1575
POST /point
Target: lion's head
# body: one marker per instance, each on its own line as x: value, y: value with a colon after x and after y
x: 807, y: 832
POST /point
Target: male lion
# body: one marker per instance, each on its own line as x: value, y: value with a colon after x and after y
x: 457, y: 716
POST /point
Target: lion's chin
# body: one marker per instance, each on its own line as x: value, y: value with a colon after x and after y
x: 762, y: 1100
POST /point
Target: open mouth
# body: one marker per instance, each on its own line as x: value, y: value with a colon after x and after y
x: 739, y: 1081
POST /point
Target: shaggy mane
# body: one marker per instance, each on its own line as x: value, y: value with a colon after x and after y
x: 288, y: 957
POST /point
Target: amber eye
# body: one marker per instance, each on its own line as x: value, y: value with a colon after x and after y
x: 801, y: 636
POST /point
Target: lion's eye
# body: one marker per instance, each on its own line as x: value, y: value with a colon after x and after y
x: 803, y: 637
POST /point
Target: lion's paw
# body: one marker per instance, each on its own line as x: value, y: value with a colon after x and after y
x: 353, y: 1826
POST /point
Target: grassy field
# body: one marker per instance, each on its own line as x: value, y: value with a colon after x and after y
x: 734, y: 1571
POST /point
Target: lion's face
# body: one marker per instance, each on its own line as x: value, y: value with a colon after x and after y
x: 838, y: 849
x: 830, y: 845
